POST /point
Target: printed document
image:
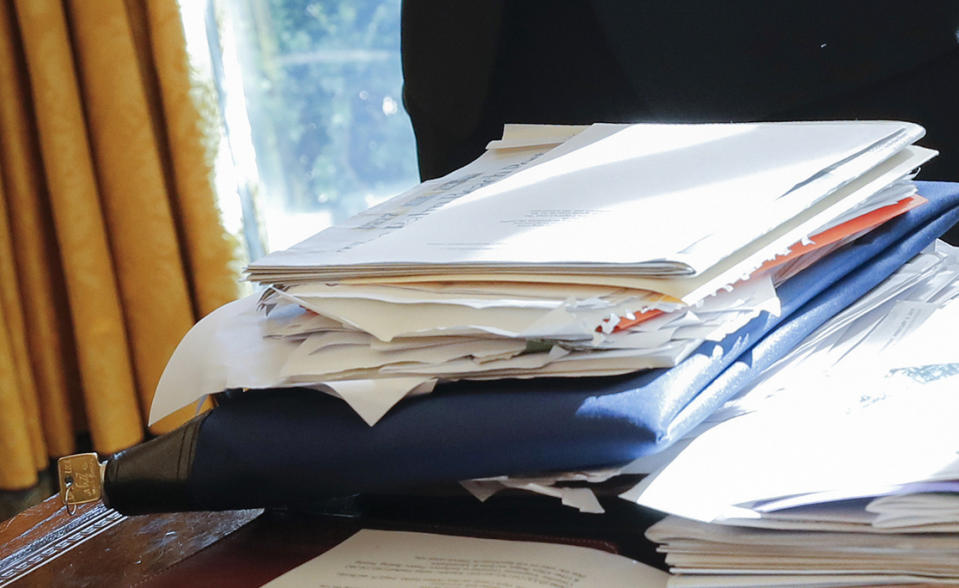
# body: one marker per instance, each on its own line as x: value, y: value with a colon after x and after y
x: 386, y: 559
x: 649, y: 199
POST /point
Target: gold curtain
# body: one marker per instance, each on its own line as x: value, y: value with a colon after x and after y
x: 110, y: 241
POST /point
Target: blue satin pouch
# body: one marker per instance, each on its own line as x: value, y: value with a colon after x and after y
x: 288, y: 447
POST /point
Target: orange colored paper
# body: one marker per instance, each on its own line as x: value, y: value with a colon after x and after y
x: 860, y: 224
x: 641, y: 317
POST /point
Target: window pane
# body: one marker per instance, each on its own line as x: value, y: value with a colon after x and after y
x: 322, y: 85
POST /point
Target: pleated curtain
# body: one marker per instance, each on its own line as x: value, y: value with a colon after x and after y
x: 111, y: 245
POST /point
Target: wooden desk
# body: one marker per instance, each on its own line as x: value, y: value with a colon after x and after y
x: 44, y: 546
x: 98, y: 547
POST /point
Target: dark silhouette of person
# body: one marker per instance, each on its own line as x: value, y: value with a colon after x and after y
x: 470, y: 67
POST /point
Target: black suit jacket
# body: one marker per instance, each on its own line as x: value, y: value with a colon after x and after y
x: 470, y: 67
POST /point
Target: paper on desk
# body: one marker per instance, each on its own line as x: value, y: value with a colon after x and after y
x: 385, y: 559
x: 324, y: 363
x: 582, y: 499
x: 779, y: 507
x: 675, y: 529
x: 837, y: 438
x: 750, y: 258
x: 382, y: 320
x: 891, y: 201
x: 838, y: 231
x: 807, y: 580
x: 226, y: 349
x: 915, y: 342
x: 556, y: 363
x: 741, y: 263
x: 373, y: 398
x: 352, y: 356
x: 716, y: 170
x: 880, y: 320
x: 706, y: 550
x: 526, y: 135
x: 892, y: 195
x: 845, y: 516
x: 467, y: 368
x: 293, y: 320
x: 833, y: 341
x: 772, y: 170
x: 240, y: 363
x: 816, y: 562
x: 374, y: 310
x: 484, y: 295
x: 415, y: 342
x: 396, y: 213
x: 908, y: 510
x: 626, y: 340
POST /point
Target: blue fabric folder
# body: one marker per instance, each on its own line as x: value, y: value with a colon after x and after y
x: 287, y: 447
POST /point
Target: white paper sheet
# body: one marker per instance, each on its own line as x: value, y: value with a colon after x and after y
x: 807, y: 580
x: 482, y: 295
x: 716, y: 170
x: 526, y: 135
x: 386, y: 322
x: 403, y: 210
x: 703, y: 552
x: 324, y: 363
x: 819, y: 448
x: 371, y: 399
x: 226, y: 349
x: 580, y: 498
x: 834, y: 437
x: 832, y: 342
x: 386, y: 559
x: 909, y: 510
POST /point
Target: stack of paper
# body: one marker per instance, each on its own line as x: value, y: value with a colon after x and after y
x: 879, y: 320
x: 459, y: 329
x: 619, y: 201
x: 562, y: 251
x: 856, y: 478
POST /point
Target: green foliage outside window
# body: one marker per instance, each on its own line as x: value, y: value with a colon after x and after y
x: 322, y: 82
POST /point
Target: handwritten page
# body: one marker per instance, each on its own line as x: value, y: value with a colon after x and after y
x: 386, y: 559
